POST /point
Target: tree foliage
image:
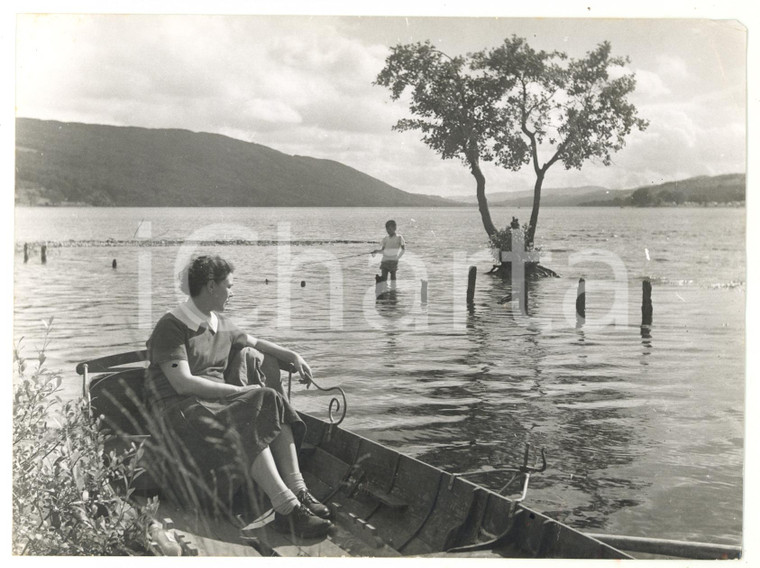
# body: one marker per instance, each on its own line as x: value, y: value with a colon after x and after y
x: 450, y: 107
x: 515, y: 106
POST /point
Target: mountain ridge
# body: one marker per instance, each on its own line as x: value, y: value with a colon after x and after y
x: 75, y: 163
x: 723, y: 189
x: 72, y: 163
x: 698, y: 190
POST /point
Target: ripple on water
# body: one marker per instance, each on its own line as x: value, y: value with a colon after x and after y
x: 633, y: 420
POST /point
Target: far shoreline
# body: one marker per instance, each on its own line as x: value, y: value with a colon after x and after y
x: 688, y: 205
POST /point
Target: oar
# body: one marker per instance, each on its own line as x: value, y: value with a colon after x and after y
x: 667, y: 547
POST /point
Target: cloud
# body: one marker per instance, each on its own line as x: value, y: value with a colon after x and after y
x: 303, y: 85
x: 271, y: 111
x: 681, y: 141
x: 668, y: 76
x: 675, y: 68
x: 254, y: 70
x: 650, y: 85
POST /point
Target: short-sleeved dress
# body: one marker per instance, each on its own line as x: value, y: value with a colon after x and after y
x: 215, y: 434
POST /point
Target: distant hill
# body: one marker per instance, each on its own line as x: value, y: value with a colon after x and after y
x: 551, y: 196
x: 61, y: 163
x: 556, y: 197
x: 701, y: 190
x: 525, y: 198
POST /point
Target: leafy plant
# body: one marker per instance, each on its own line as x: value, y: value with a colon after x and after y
x: 514, y: 235
x: 68, y: 499
x: 502, y: 239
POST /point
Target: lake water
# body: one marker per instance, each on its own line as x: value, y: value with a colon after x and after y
x: 643, y: 428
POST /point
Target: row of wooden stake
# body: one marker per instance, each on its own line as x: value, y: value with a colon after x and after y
x: 646, y: 301
x: 580, y: 300
x: 43, y: 256
x: 43, y: 253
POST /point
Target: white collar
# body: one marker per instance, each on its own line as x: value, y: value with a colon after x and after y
x: 189, y: 314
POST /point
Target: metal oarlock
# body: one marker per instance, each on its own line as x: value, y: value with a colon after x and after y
x: 524, y: 470
x: 335, y: 404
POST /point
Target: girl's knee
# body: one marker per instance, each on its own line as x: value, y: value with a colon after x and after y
x: 271, y: 369
x: 270, y: 365
x: 269, y: 393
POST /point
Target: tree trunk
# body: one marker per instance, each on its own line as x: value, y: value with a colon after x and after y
x: 534, y: 213
x: 485, y: 215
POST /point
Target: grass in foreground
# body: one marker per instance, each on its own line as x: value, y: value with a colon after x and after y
x: 68, y: 497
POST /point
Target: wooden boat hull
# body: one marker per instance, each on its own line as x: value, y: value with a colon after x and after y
x: 385, y: 503
x: 416, y: 509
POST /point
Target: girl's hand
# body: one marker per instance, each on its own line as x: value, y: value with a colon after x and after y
x: 303, y: 369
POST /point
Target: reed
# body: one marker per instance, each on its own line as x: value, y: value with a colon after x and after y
x: 68, y: 500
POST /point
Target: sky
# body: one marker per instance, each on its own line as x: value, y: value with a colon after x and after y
x: 303, y: 83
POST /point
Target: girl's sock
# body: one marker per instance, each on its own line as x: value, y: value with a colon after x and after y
x: 294, y: 481
x: 284, y: 502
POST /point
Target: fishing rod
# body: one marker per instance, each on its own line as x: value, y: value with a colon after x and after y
x: 353, y: 255
x: 303, y: 282
x: 138, y: 227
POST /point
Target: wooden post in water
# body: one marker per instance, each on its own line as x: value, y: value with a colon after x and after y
x: 43, y: 254
x: 26, y: 253
x: 113, y: 264
x: 423, y: 291
x: 580, y: 302
x: 471, y: 276
x: 646, y: 302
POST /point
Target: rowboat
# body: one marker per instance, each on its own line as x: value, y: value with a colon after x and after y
x: 384, y: 503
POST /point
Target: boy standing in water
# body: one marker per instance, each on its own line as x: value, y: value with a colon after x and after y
x: 393, y: 247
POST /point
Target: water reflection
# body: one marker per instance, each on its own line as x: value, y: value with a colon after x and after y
x: 468, y: 392
x: 391, y: 348
x: 581, y: 342
x: 520, y: 298
x: 484, y: 419
x: 596, y: 434
x: 387, y: 304
x: 646, y: 343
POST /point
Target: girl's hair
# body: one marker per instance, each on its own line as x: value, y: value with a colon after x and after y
x: 390, y: 223
x: 202, y: 270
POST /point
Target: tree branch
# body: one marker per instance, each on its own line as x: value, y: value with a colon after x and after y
x: 553, y: 160
x: 524, y: 127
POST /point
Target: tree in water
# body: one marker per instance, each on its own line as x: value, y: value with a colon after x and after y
x: 449, y: 106
x: 514, y: 106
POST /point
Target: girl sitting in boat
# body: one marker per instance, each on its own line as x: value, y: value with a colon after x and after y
x: 219, y: 388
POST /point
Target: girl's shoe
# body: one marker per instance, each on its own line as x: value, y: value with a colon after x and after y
x: 302, y: 523
x: 307, y: 500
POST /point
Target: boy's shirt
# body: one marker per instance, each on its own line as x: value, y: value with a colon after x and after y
x: 392, y: 246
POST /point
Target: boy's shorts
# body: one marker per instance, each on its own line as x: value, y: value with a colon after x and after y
x: 389, y: 265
